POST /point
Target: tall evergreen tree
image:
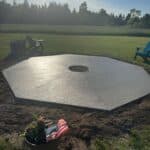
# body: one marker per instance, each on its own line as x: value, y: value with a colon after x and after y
x: 58, y: 14
x: 83, y: 7
x: 26, y: 3
x: 14, y: 3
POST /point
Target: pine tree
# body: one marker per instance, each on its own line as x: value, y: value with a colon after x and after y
x: 14, y: 3
x: 83, y: 8
x: 26, y: 3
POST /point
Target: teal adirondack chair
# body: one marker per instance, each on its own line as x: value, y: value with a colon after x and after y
x: 145, y: 53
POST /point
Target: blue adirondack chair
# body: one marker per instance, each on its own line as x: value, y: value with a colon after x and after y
x: 145, y: 53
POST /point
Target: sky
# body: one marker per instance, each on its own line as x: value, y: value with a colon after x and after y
x: 112, y: 6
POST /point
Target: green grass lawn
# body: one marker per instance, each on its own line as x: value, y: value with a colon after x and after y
x: 74, y: 30
x: 121, y: 47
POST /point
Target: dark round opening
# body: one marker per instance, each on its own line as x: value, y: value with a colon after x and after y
x: 78, y: 68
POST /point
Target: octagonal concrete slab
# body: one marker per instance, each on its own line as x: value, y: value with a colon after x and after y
x: 78, y: 80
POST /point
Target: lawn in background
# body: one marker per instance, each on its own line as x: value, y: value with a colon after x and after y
x: 74, y: 30
x: 121, y: 47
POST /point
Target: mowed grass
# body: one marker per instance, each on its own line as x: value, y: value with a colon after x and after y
x: 74, y: 30
x: 121, y: 47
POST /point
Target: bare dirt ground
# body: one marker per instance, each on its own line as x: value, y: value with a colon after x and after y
x: 85, y: 125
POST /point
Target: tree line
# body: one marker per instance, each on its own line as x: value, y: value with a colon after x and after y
x: 60, y: 14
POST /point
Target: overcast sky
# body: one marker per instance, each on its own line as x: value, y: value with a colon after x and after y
x: 115, y: 6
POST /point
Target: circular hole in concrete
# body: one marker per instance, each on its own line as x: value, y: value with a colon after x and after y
x: 78, y: 68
